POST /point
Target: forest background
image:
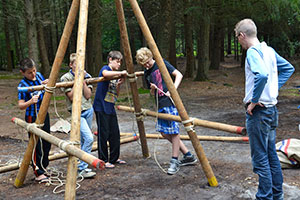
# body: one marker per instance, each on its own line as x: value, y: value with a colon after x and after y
x: 199, y: 31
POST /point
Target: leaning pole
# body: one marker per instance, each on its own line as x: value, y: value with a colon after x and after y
x: 70, y: 192
x: 51, y: 83
x: 132, y: 79
x: 178, y: 103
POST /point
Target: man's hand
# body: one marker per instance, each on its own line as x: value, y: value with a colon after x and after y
x: 251, y: 106
x: 44, y: 82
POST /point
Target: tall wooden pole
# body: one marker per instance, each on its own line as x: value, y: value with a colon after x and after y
x: 132, y: 80
x: 70, y: 192
x: 47, y: 97
x: 178, y: 103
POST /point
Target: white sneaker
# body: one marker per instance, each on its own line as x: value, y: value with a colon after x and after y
x: 86, y: 174
x: 174, y: 167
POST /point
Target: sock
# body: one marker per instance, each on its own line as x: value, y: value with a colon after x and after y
x: 188, y: 154
x: 176, y: 158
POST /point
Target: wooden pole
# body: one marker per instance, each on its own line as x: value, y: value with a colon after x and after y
x: 57, y: 156
x: 70, y: 192
x: 68, y: 147
x: 197, y: 122
x: 47, y: 97
x: 132, y: 80
x: 174, y: 94
x: 200, y: 137
x: 68, y: 83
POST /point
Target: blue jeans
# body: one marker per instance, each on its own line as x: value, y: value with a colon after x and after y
x: 86, y: 135
x: 261, y: 128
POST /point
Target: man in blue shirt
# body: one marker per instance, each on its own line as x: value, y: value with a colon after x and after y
x: 265, y: 72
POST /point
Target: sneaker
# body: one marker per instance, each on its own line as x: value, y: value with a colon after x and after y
x: 188, y: 160
x: 174, y: 167
x: 88, y: 169
x: 86, y: 174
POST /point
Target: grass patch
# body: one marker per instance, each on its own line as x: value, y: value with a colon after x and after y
x: 143, y: 91
x: 291, y: 92
x: 10, y: 76
x: 58, y: 98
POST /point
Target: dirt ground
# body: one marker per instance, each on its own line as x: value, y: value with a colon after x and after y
x: 219, y: 100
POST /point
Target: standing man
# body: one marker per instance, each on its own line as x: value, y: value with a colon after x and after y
x: 266, y: 72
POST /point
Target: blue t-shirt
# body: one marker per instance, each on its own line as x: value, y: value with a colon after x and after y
x: 153, y: 75
x: 26, y: 96
x: 101, y: 105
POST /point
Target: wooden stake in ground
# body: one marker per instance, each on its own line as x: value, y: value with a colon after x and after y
x: 47, y: 97
x: 70, y: 192
x: 132, y: 79
x: 174, y: 94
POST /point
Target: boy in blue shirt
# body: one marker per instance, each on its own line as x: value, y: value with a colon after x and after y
x: 104, y: 102
x: 31, y: 101
x: 266, y: 72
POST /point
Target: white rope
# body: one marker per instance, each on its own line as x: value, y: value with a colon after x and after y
x: 158, y: 134
x: 190, y: 127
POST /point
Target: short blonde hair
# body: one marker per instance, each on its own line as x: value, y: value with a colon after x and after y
x: 143, y: 55
x: 246, y: 26
x: 73, y: 57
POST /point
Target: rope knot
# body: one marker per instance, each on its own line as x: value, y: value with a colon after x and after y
x: 190, y: 127
x: 132, y: 77
x: 49, y: 89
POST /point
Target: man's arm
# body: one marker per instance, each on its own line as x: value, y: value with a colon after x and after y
x: 178, y: 77
x: 113, y: 74
x: 23, y: 105
x: 285, y: 70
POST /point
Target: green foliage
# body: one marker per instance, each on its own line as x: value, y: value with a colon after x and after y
x: 58, y: 98
x: 143, y: 91
x: 10, y: 76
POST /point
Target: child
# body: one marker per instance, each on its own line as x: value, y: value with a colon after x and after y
x: 31, y: 101
x: 168, y: 129
x: 105, y: 98
x: 86, y: 118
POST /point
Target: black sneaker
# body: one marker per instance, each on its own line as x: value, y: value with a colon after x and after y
x: 188, y: 160
x: 174, y: 167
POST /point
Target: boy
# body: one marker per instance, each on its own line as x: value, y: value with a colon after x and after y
x: 107, y: 122
x: 31, y: 101
x: 266, y: 72
x: 168, y: 129
x: 86, y: 118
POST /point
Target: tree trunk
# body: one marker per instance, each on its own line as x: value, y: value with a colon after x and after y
x: 172, y: 47
x: 189, y: 45
x: 215, y: 56
x: 203, y: 48
x: 17, y: 42
x: 94, y: 50
x: 45, y: 66
x: 229, y: 43
x: 31, y: 31
x: 165, y: 28
x: 7, y: 36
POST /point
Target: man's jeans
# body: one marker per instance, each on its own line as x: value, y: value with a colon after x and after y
x: 86, y: 135
x: 261, y: 128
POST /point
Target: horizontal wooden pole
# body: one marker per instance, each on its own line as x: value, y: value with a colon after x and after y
x: 200, y: 137
x: 64, y: 145
x: 61, y: 155
x: 197, y: 122
x: 68, y: 83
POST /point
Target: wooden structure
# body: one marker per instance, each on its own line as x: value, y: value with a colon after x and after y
x: 81, y: 43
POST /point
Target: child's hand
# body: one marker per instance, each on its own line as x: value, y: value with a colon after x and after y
x: 45, y: 81
x: 153, y: 86
x: 124, y: 72
x: 35, y: 99
x: 121, y: 81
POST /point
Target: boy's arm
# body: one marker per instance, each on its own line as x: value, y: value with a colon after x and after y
x: 178, y: 77
x: 113, y: 74
x: 23, y: 105
x: 87, y: 91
